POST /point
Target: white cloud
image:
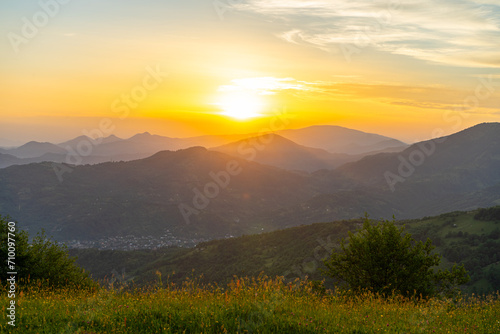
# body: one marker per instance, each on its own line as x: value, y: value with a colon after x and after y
x: 454, y: 32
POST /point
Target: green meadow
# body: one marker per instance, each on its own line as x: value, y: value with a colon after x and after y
x: 261, y: 305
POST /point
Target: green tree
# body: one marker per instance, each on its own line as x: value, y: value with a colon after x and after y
x: 381, y: 258
x: 41, y: 261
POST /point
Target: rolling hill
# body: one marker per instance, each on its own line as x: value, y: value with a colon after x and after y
x: 471, y: 238
x: 470, y: 159
x: 457, y: 172
x: 219, y: 195
x: 275, y: 150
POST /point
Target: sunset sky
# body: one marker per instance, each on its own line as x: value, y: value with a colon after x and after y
x: 193, y: 67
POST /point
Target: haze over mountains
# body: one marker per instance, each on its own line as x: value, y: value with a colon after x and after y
x: 337, y: 139
x: 197, y: 192
x: 84, y: 150
x: 278, y: 151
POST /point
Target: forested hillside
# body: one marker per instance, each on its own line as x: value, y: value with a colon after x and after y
x: 461, y: 237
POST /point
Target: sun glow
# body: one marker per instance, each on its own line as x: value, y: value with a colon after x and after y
x: 242, y: 106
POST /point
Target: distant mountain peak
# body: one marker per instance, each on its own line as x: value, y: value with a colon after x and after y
x: 74, y: 141
x: 34, y: 149
x: 111, y: 139
x: 95, y: 141
x: 278, y: 151
x: 193, y: 149
x: 484, y: 126
x: 483, y: 130
x: 144, y: 136
x: 337, y: 139
x: 269, y: 141
x: 268, y: 138
x: 35, y: 143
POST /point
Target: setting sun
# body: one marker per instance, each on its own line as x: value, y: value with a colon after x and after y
x: 242, y: 106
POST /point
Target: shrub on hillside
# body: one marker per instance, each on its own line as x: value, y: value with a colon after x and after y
x: 381, y: 258
x: 42, y: 260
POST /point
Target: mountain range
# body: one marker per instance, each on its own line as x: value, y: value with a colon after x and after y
x: 457, y: 172
x: 197, y: 192
x: 84, y: 150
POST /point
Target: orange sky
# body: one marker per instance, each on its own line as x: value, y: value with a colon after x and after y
x: 183, y: 70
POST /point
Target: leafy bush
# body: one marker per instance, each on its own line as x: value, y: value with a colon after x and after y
x: 42, y: 261
x: 381, y: 258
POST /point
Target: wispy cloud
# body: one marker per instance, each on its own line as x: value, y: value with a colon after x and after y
x: 345, y: 88
x: 265, y: 85
x: 419, y: 96
x: 453, y: 32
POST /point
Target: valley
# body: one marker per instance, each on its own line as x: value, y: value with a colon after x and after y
x: 471, y: 238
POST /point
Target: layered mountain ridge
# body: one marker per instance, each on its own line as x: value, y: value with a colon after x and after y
x: 84, y: 150
x: 197, y: 192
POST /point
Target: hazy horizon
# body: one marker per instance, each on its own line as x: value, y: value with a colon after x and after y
x: 13, y: 142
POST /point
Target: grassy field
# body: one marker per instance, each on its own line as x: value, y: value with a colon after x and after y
x: 245, y: 306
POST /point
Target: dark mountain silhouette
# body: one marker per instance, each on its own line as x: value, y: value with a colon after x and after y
x: 468, y: 160
x: 457, y: 172
x: 143, y: 197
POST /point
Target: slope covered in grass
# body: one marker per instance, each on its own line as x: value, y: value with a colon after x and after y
x: 244, y: 306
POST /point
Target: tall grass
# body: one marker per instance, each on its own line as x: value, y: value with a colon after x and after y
x: 246, y: 305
